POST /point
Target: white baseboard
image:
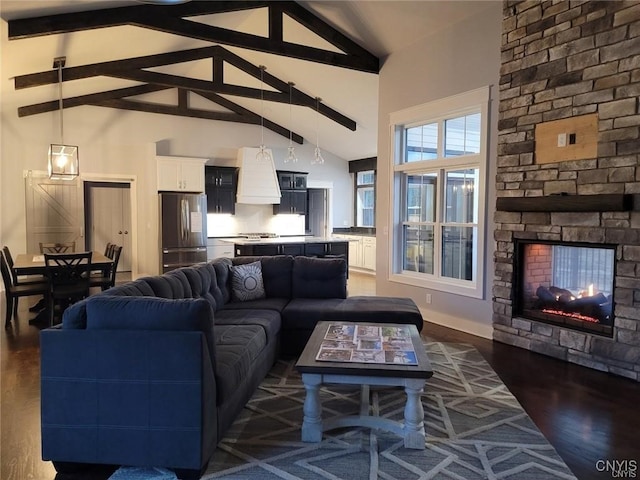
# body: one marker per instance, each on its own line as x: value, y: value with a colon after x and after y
x: 460, y: 324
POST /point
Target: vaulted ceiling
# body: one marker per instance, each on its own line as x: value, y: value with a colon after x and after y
x: 208, y: 54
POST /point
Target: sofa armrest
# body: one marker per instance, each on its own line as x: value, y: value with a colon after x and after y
x: 127, y: 397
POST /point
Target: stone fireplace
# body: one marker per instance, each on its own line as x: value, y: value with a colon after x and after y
x: 562, y: 61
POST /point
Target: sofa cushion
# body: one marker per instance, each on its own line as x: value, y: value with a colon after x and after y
x: 237, y: 347
x: 246, y: 282
x: 276, y: 273
x: 75, y: 316
x: 304, y: 313
x: 151, y: 313
x: 269, y: 320
x: 319, y: 277
x: 210, y: 283
x: 276, y: 304
x: 221, y: 266
x: 165, y: 286
x: 136, y: 288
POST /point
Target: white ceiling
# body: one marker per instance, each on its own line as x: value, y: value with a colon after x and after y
x: 382, y: 27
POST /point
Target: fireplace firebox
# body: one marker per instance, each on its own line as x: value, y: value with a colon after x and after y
x: 566, y: 284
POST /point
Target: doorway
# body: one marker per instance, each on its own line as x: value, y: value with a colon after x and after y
x: 108, y: 218
x: 52, y: 210
x: 317, y: 221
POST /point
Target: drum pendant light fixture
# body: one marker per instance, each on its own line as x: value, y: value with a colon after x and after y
x: 63, y: 159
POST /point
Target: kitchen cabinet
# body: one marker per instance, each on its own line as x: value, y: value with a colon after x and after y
x: 176, y: 174
x: 327, y: 249
x: 292, y: 180
x: 292, y: 201
x: 293, y: 190
x: 369, y: 253
x: 220, y: 186
x: 270, y: 249
x: 217, y: 248
x: 362, y: 251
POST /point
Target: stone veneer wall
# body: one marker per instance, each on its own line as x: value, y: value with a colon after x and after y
x: 562, y: 59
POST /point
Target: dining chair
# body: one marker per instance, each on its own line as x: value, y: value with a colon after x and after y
x: 108, y: 250
x: 22, y: 279
x: 12, y: 292
x: 68, y: 275
x: 108, y: 278
x: 57, y: 247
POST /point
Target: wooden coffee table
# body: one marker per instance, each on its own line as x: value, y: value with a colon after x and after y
x: 315, y: 373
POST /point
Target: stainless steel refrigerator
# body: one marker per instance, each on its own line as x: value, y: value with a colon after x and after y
x: 183, y: 229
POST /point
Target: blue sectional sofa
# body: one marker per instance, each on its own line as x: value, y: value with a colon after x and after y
x: 153, y: 372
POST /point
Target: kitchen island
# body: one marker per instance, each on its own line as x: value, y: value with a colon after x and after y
x: 298, y: 245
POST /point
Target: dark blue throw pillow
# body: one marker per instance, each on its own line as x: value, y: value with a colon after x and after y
x: 151, y: 313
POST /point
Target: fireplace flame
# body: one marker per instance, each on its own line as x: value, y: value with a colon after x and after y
x: 574, y: 315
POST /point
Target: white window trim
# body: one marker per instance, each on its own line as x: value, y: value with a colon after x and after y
x: 437, y: 111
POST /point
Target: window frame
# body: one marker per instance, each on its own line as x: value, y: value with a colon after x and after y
x: 356, y: 188
x: 475, y: 101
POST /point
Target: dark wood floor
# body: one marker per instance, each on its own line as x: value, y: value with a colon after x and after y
x: 586, y: 415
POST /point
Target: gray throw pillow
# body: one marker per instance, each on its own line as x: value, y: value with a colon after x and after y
x: 246, y: 282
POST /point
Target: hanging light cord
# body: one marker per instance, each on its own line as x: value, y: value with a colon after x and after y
x: 262, y: 68
x: 318, y: 99
x: 291, y: 84
x: 60, y: 104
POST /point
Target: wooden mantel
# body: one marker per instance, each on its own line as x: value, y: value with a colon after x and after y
x: 609, y: 202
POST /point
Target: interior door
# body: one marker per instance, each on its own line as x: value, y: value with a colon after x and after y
x: 109, y: 219
x: 53, y: 211
x: 317, y: 217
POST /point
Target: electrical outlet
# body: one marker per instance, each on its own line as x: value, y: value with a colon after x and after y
x: 427, y: 298
x: 562, y: 139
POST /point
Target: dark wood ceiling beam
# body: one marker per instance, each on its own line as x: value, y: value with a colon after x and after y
x: 113, y: 17
x: 297, y: 96
x: 200, y: 31
x: 330, y: 34
x: 195, y: 84
x: 250, y: 116
x: 169, y: 110
x: 171, y: 19
x: 89, y: 99
x: 105, y: 68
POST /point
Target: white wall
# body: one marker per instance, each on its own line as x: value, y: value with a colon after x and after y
x: 117, y: 142
x: 460, y: 58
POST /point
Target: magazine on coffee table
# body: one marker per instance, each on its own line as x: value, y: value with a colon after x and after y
x: 367, y: 344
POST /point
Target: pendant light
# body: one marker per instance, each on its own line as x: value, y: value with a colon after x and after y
x: 317, y: 156
x: 263, y: 155
x: 63, y: 159
x: 291, y: 151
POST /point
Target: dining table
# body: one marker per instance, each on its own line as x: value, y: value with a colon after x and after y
x: 33, y: 263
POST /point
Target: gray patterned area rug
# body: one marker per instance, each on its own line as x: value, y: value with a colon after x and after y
x: 475, y: 429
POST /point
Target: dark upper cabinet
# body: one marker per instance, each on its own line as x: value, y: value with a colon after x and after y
x: 293, y: 188
x: 220, y: 185
x: 292, y: 180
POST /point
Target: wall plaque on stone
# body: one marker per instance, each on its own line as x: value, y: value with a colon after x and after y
x: 574, y: 138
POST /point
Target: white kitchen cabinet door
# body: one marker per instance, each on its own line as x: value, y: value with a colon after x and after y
x: 355, y: 251
x: 180, y: 174
x: 369, y: 253
x: 193, y: 175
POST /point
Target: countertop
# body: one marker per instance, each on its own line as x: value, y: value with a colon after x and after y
x: 281, y: 240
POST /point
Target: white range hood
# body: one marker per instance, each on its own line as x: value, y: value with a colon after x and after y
x: 257, y: 180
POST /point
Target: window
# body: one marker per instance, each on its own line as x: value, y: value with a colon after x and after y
x: 365, y: 199
x: 438, y: 194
